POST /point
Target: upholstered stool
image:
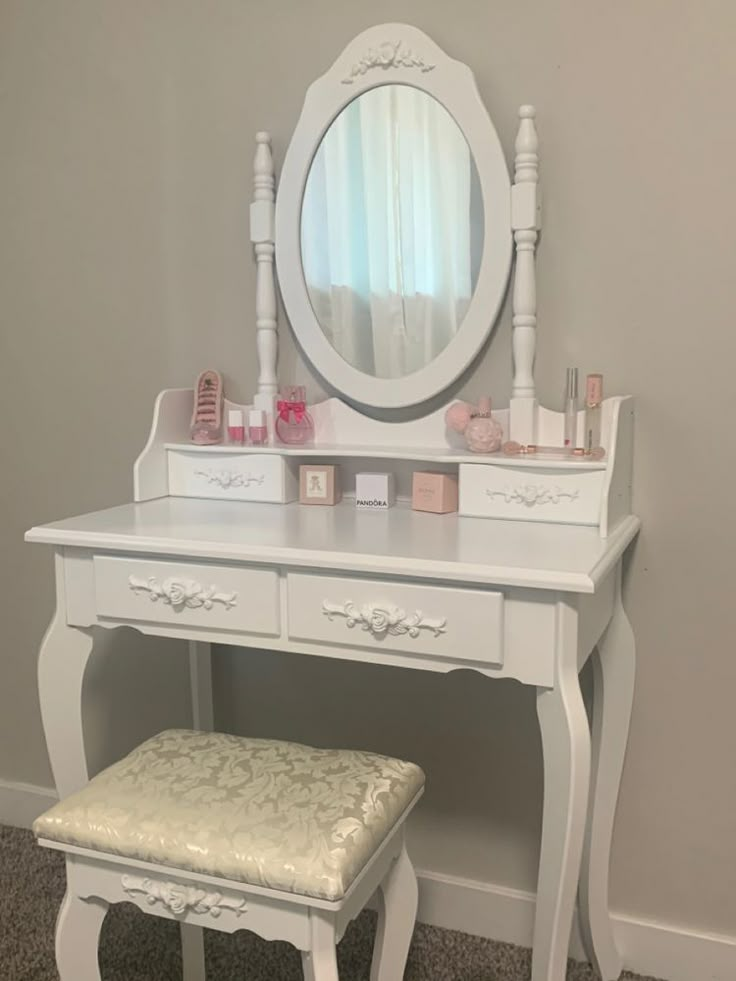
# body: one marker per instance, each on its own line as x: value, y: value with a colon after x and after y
x: 281, y: 839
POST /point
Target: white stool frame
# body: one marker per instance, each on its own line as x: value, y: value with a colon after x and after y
x: 96, y: 880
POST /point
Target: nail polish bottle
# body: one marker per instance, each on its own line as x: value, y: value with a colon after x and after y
x: 257, y: 429
x: 235, y: 426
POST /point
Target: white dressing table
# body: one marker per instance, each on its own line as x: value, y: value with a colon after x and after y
x: 215, y: 550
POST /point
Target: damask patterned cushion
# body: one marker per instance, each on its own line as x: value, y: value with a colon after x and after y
x: 269, y: 813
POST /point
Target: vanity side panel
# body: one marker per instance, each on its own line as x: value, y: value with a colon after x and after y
x: 79, y: 581
x: 594, y: 613
x: 616, y: 494
x: 171, y: 416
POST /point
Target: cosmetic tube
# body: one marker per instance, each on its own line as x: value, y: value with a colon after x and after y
x: 593, y: 400
x: 571, y: 409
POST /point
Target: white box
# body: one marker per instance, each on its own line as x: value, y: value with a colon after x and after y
x: 374, y: 491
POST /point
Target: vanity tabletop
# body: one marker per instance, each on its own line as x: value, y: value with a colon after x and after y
x: 397, y: 542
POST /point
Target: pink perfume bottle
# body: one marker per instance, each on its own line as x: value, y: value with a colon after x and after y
x: 293, y: 422
x: 483, y: 434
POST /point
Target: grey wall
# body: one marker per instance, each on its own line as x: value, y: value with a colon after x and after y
x: 127, y: 134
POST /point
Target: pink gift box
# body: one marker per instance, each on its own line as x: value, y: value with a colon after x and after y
x: 436, y: 492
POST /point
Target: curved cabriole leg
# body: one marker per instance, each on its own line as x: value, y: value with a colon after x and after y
x: 566, y: 750
x: 63, y: 658
x: 397, y: 914
x: 320, y: 963
x: 77, y: 938
x: 614, y: 667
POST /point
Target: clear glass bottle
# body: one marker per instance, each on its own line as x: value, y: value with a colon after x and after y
x: 571, y: 410
x: 293, y: 422
x: 593, y: 402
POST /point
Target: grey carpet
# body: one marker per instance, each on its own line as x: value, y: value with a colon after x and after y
x: 136, y: 947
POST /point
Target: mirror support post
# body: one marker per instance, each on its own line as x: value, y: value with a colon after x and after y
x: 262, y: 236
x: 525, y: 223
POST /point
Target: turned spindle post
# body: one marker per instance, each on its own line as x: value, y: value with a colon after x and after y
x: 262, y: 236
x: 525, y: 222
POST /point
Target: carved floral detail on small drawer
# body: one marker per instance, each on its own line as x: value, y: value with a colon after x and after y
x: 180, y: 899
x: 388, y: 54
x: 182, y: 593
x: 379, y: 619
x: 532, y: 494
x: 230, y: 478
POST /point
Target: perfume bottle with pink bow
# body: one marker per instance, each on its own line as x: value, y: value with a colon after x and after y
x: 293, y: 422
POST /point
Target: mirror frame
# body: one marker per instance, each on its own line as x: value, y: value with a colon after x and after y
x: 383, y: 55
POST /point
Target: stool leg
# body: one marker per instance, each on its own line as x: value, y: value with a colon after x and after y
x: 320, y: 963
x: 77, y: 938
x: 192, y: 952
x: 397, y: 914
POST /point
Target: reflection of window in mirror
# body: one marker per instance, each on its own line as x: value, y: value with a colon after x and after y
x: 392, y: 230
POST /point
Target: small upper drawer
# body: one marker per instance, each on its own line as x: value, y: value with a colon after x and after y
x: 463, y: 624
x: 531, y: 493
x: 269, y: 478
x: 208, y: 596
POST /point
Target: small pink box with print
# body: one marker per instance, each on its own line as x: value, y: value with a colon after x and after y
x: 432, y: 491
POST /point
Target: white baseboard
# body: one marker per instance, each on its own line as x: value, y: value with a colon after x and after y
x: 21, y: 803
x: 661, y: 950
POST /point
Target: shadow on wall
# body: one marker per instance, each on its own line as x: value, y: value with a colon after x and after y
x: 457, y: 726
x: 134, y: 687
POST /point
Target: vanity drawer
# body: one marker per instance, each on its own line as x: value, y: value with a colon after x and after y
x: 531, y: 494
x: 233, y: 476
x: 462, y: 624
x: 208, y: 596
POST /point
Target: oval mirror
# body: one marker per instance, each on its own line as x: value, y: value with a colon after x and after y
x: 393, y: 225
x: 391, y: 231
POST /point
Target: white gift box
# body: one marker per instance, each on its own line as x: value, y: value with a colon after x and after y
x: 374, y: 490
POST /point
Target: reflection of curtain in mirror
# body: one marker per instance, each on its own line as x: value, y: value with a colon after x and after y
x: 386, y: 231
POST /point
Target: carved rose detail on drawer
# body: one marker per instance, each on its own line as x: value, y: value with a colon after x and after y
x: 531, y: 494
x: 380, y: 620
x: 179, y: 899
x: 230, y: 478
x: 388, y: 54
x: 182, y: 593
